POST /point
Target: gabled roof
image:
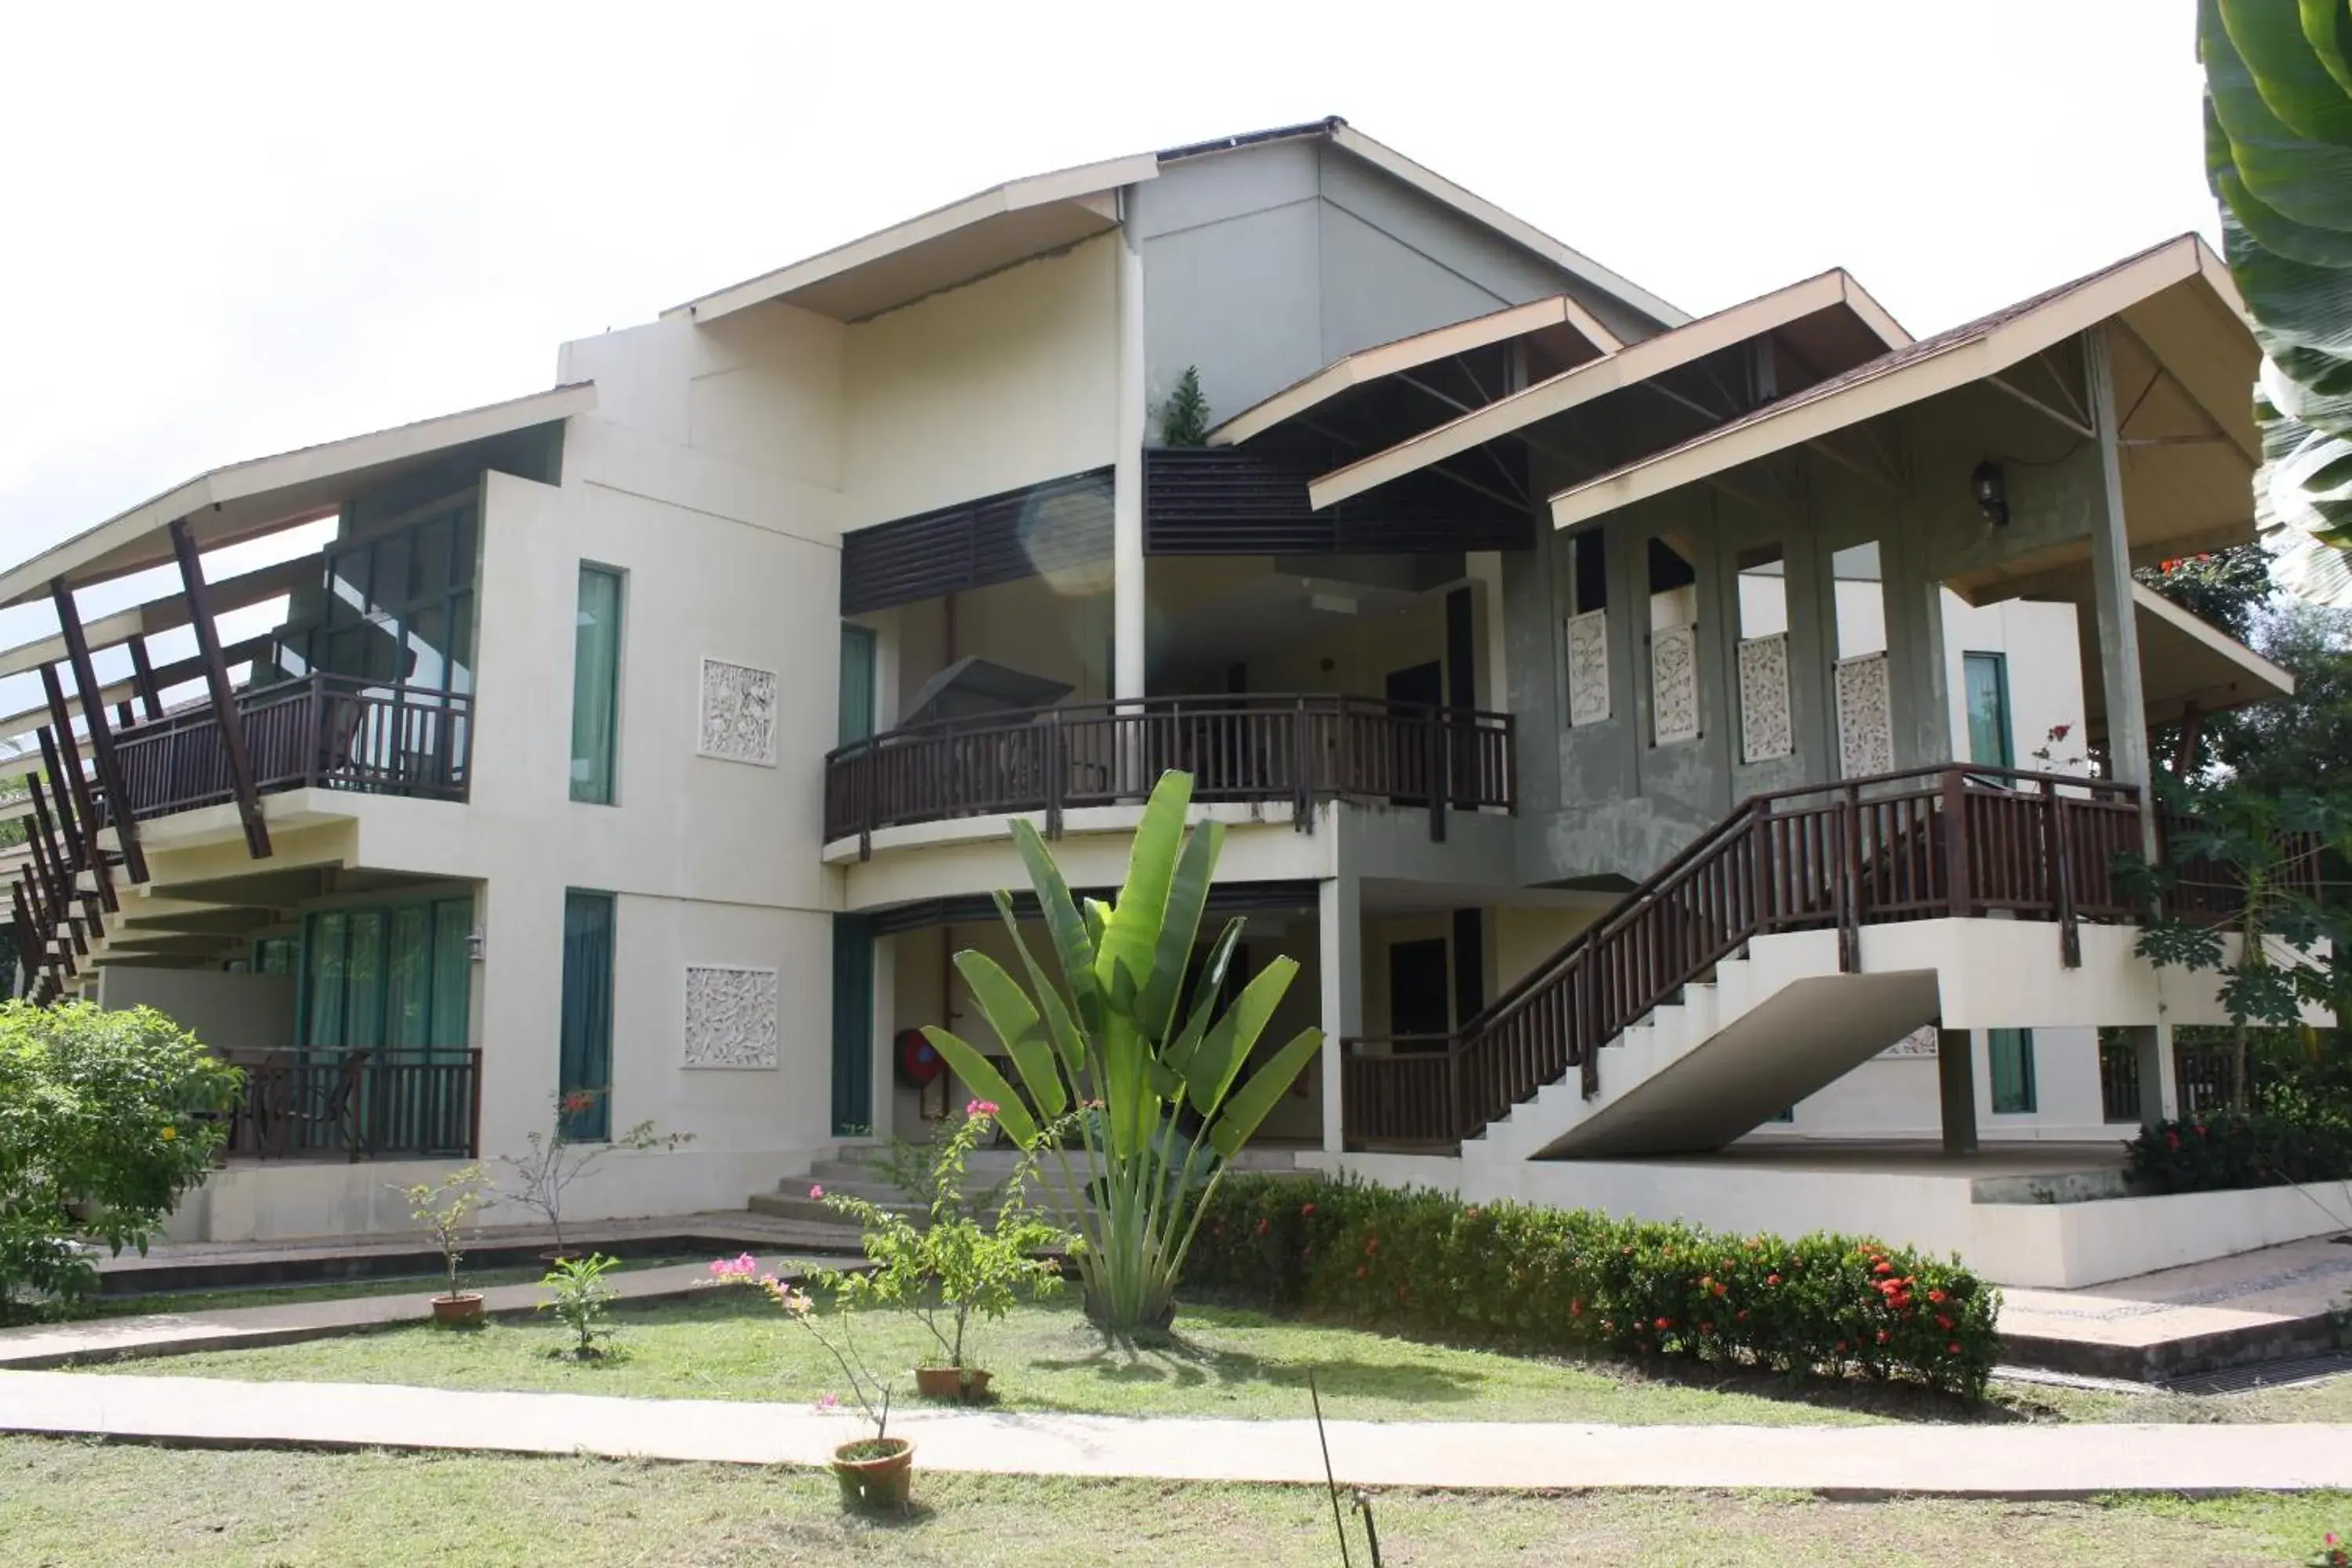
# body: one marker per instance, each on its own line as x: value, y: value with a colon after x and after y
x: 2202, y: 340
x: 243, y: 501
x: 1028, y: 217
x: 1558, y: 316
x: 1831, y: 290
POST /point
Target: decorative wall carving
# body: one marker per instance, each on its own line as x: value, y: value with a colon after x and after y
x: 1588, y: 668
x: 1766, y: 728
x: 738, y: 713
x: 1865, y: 717
x: 1920, y: 1042
x: 1674, y: 684
x: 730, y: 1016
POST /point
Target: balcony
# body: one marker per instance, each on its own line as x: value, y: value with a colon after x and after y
x: 320, y: 732
x: 1294, y: 750
x: 356, y: 1105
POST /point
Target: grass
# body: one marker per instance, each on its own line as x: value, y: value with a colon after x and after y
x: 142, y: 1303
x: 76, y: 1504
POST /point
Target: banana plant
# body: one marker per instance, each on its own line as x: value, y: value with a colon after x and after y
x: 2278, y: 155
x: 1110, y: 1054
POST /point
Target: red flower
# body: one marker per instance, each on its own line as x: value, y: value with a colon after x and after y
x: 1937, y: 1296
x: 1884, y: 1336
x: 1371, y: 1244
x: 1360, y: 1271
x: 2172, y: 1140
x: 1719, y: 1290
x: 1881, y: 1267
x: 2199, y: 1130
x: 1306, y: 1209
x: 1576, y: 1308
x: 1742, y: 1314
x: 1953, y: 1349
x: 1707, y: 1328
x: 1771, y: 1280
x: 1665, y: 1324
x: 1943, y: 1322
x: 1263, y: 1226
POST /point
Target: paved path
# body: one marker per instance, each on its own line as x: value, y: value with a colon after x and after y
x: 1979, y: 1461
x: 172, y: 1333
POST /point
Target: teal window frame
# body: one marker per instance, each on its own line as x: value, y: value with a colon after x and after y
x: 853, y: 1026
x: 1984, y: 677
x: 584, y: 1051
x: 2010, y: 1054
x: 345, y: 999
x: 600, y: 622
x: 857, y: 683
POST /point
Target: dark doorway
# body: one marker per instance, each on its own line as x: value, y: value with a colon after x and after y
x: 1417, y: 999
x: 1415, y: 753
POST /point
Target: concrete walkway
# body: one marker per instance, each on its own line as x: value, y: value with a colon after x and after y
x: 175, y: 1333
x: 1970, y: 1461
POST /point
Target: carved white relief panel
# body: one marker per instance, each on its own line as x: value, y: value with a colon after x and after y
x: 730, y: 1016
x: 1674, y: 684
x: 1766, y: 729
x: 1588, y: 668
x: 1865, y: 711
x: 738, y: 713
x: 1920, y: 1042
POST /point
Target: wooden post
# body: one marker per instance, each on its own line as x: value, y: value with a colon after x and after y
x: 69, y: 754
x: 102, y: 737
x: 232, y: 724
x: 56, y: 770
x: 2111, y: 595
x: 32, y: 948
x: 1956, y: 1088
x: 1958, y: 880
x: 43, y: 843
x: 142, y: 675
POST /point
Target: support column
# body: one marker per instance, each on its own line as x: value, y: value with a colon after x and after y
x: 1339, y: 928
x: 885, y: 1033
x: 102, y: 737
x: 2159, y: 1084
x: 1127, y: 616
x: 225, y: 709
x: 1956, y: 1088
x: 2111, y: 594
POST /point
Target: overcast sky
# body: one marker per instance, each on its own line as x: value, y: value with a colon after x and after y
x: 230, y: 229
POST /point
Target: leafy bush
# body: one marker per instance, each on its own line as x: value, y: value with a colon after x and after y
x: 103, y: 1125
x: 1581, y: 1282
x: 578, y: 1294
x: 2227, y: 1152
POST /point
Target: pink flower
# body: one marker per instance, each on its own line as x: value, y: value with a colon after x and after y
x: 980, y: 1107
x: 816, y: 1190
x: 826, y: 1404
x: 731, y: 1268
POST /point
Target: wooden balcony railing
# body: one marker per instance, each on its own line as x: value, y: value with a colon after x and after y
x: 1956, y: 841
x: 1280, y: 750
x: 327, y: 732
x: 356, y: 1104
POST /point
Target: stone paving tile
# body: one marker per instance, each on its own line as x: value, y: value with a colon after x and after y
x: 2009, y: 1461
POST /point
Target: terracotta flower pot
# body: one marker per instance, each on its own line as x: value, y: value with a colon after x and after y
x: 875, y: 1472
x: 964, y: 1385
x: 466, y: 1306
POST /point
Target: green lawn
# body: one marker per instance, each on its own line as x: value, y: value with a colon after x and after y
x: 138, y: 1305
x: 72, y: 1504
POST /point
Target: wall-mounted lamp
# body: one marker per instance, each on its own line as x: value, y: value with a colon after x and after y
x: 1991, y: 492
x: 477, y: 944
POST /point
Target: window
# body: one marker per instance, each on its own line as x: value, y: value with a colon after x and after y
x: 856, y: 683
x: 1586, y: 630
x: 2012, y: 1052
x: 277, y: 956
x: 396, y: 976
x: 595, y: 685
x: 584, y: 1080
x: 1674, y: 641
x: 1987, y: 679
x: 853, y: 1024
x: 1767, y: 719
x: 1859, y: 601
x: 395, y: 607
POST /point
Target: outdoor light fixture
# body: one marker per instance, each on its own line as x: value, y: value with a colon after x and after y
x: 1992, y: 494
x: 477, y: 943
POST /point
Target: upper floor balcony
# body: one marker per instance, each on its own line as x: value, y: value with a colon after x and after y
x: 1289, y: 752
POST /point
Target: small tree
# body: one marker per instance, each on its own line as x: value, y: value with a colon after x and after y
x: 2249, y: 864
x: 578, y: 1294
x: 967, y: 1262
x: 1184, y: 417
x: 442, y: 1210
x: 555, y: 1160
x: 106, y: 1120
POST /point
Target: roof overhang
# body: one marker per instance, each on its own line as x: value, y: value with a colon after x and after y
x: 1830, y: 293
x: 1559, y: 322
x: 2177, y: 301
x: 947, y: 245
x: 245, y: 500
x: 2184, y: 663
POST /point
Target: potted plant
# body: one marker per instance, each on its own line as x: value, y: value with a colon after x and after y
x: 443, y: 1208
x: 556, y: 1159
x: 875, y: 1472
x: 971, y: 1262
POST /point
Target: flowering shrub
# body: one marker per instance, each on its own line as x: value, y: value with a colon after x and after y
x: 2331, y: 1555
x: 1580, y: 1281
x: 871, y: 1391
x: 2223, y: 1151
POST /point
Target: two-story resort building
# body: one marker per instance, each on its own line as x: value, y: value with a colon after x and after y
x: 1646, y: 731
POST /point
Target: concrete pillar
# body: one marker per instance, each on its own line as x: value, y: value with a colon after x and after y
x: 2110, y: 597
x: 884, y: 1020
x: 1339, y: 928
x: 1956, y: 1088
x: 1484, y: 568
x: 2160, y: 1087
x: 1127, y: 616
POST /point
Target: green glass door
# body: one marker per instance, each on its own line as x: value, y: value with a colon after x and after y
x: 1988, y: 706
x: 584, y: 1080
x: 856, y: 683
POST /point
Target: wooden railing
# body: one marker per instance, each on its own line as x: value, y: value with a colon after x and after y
x: 1951, y: 841
x: 356, y: 1104
x: 326, y: 732
x: 1281, y: 749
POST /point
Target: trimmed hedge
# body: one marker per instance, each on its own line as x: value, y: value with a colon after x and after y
x: 1584, y: 1283
x: 2227, y: 1152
